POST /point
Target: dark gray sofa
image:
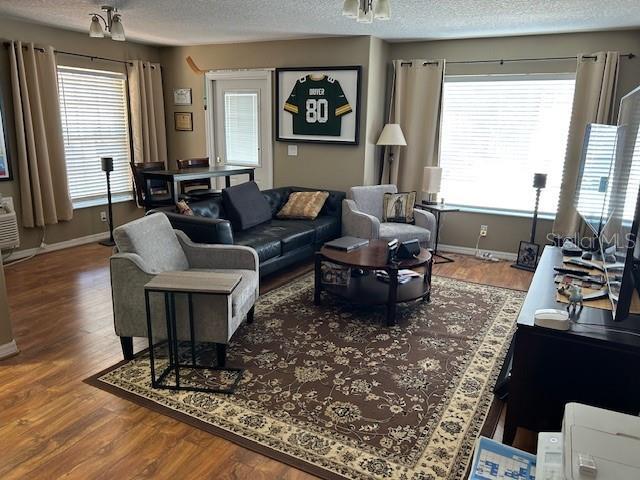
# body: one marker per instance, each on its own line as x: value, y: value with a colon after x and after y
x: 279, y: 243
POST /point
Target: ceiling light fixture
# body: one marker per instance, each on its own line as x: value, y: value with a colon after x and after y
x: 112, y: 24
x: 366, y: 10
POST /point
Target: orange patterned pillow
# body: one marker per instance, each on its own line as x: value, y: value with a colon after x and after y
x: 303, y: 205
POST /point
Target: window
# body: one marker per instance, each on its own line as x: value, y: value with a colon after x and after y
x: 93, y: 108
x: 497, y: 131
x: 241, y: 127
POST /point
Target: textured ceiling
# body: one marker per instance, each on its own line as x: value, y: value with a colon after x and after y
x: 188, y: 22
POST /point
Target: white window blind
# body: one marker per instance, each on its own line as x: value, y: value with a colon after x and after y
x: 93, y: 108
x: 497, y: 131
x: 241, y: 127
x: 599, y: 151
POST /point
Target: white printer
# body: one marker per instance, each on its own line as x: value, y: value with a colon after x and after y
x: 594, y: 444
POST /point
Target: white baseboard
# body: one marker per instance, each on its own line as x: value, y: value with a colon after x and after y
x: 472, y: 251
x: 75, y: 242
x: 8, y: 349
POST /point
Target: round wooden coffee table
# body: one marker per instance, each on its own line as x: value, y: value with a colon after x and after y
x: 366, y: 288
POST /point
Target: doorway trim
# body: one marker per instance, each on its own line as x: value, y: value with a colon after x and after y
x: 254, y: 74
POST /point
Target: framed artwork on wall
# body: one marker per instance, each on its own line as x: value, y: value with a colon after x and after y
x: 318, y: 104
x: 183, y: 121
x: 182, y: 96
x: 5, y: 167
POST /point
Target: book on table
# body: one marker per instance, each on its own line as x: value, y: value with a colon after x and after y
x: 347, y: 244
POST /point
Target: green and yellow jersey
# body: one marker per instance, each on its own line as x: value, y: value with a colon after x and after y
x: 317, y: 105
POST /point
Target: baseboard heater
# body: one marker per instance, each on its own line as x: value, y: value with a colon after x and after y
x: 9, y: 235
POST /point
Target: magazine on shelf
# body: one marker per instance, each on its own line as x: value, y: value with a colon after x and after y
x: 404, y: 276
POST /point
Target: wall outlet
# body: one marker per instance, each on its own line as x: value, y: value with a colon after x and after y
x: 103, y: 216
x: 483, y: 230
x: 292, y: 150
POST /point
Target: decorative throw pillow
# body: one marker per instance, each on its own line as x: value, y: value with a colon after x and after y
x: 398, y: 207
x: 303, y: 205
x: 246, y: 205
x: 184, y: 208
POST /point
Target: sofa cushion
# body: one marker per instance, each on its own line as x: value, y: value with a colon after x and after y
x: 303, y: 205
x: 246, y: 206
x: 266, y: 246
x: 292, y: 234
x: 326, y: 228
x: 403, y: 231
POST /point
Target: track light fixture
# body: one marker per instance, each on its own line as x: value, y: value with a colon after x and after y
x: 112, y: 21
x: 366, y: 10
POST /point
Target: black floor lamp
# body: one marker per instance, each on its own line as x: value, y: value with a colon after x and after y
x: 107, y: 167
x: 528, y: 252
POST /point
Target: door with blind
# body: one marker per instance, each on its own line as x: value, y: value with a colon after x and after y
x: 239, y: 122
x: 93, y: 110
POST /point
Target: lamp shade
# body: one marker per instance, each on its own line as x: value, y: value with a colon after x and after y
x: 431, y: 179
x: 106, y: 164
x: 392, y: 135
x: 539, y: 180
x: 95, y: 29
x: 117, y: 30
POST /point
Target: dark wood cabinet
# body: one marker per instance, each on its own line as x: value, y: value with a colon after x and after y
x: 589, y: 364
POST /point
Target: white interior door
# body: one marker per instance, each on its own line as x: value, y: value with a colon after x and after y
x: 239, y: 123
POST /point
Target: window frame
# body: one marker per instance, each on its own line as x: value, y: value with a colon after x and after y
x: 488, y: 77
x: 117, y: 197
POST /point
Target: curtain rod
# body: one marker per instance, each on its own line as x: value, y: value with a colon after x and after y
x: 502, y: 61
x: 91, y: 57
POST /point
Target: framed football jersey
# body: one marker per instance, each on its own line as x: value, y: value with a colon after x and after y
x: 318, y: 104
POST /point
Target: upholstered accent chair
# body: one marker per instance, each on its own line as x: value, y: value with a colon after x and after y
x: 362, y: 217
x: 148, y: 246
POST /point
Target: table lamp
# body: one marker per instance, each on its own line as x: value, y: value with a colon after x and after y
x: 392, y: 136
x: 431, y: 180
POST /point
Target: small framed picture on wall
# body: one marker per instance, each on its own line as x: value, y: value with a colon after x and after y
x: 318, y: 104
x: 183, y: 121
x: 182, y: 96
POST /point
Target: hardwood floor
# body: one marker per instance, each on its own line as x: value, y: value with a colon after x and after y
x: 52, y: 425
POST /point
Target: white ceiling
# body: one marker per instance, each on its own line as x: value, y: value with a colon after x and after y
x: 189, y: 22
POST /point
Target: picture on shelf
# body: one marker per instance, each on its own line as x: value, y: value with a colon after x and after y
x: 319, y: 105
x: 528, y: 255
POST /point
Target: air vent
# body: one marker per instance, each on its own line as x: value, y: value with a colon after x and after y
x: 9, y: 237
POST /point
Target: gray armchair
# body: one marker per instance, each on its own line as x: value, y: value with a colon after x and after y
x: 362, y: 217
x: 148, y: 246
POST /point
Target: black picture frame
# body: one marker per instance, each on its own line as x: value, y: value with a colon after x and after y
x: 528, y: 254
x: 185, y: 115
x: 6, y: 174
x: 280, y: 104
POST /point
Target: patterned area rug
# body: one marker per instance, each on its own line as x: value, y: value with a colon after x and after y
x: 332, y: 391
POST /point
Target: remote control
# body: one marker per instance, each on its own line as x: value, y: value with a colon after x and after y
x: 549, y: 457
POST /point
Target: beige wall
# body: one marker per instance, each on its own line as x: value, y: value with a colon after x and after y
x: 6, y: 336
x: 505, y: 231
x: 376, y: 108
x: 329, y: 166
x: 86, y: 221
